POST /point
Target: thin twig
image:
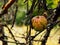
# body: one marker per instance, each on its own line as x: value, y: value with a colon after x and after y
x: 13, y: 42
x: 15, y: 14
x: 11, y: 33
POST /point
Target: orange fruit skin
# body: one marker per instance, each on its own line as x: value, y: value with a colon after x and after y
x: 39, y: 23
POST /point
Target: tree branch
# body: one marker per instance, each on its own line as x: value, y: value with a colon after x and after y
x: 6, y: 6
x: 15, y: 14
x: 49, y: 27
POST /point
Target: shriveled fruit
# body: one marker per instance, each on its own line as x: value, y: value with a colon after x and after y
x: 39, y: 23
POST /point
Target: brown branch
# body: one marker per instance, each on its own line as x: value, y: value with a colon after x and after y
x: 44, y: 5
x: 15, y: 14
x: 10, y: 33
x: 39, y: 6
x: 8, y: 4
x: 32, y: 7
x: 49, y: 27
x: 13, y: 42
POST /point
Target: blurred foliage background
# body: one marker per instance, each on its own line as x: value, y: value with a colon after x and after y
x: 22, y: 9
